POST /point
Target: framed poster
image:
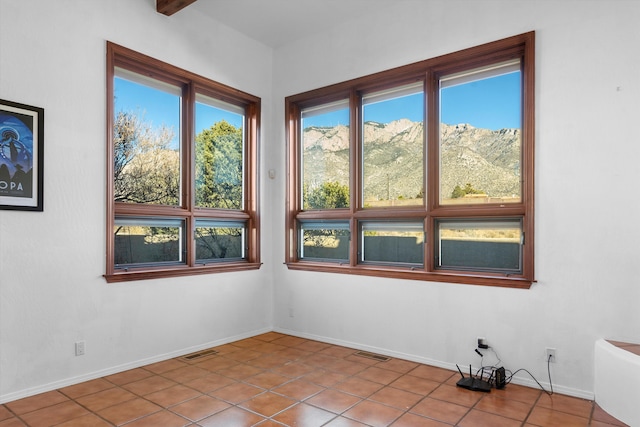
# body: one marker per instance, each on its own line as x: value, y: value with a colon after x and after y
x: 21, y: 156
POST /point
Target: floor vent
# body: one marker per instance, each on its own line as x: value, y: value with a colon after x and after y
x: 378, y: 357
x: 199, y: 354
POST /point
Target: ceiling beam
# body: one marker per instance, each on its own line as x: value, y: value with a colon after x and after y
x: 169, y: 7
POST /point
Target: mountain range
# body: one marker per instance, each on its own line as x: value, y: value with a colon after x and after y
x: 487, y: 159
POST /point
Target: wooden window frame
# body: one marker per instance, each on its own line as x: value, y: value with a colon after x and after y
x: 429, y: 71
x: 118, y: 56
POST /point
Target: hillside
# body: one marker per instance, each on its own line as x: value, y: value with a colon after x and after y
x: 488, y: 160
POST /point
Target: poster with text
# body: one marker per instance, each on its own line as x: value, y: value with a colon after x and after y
x: 21, y: 156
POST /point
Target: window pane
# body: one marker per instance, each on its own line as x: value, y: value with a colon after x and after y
x: 480, y: 136
x: 148, y: 241
x: 392, y: 242
x: 146, y: 137
x: 325, y: 156
x: 219, y: 154
x: 325, y: 240
x: 490, y: 245
x: 220, y: 240
x: 393, y: 140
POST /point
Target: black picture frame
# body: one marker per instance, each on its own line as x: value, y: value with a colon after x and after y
x: 21, y: 156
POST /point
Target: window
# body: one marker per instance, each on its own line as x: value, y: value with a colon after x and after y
x: 182, y: 163
x: 422, y: 172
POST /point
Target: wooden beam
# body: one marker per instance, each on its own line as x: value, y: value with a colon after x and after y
x: 169, y: 7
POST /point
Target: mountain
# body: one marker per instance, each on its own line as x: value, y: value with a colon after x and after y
x: 488, y: 160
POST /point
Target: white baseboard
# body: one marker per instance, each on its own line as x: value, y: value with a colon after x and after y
x: 528, y: 382
x: 520, y: 380
x: 9, y: 397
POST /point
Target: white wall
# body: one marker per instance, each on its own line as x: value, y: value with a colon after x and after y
x: 52, y: 55
x: 587, y: 209
x: 51, y: 290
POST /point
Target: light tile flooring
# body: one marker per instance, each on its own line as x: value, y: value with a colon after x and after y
x: 275, y: 380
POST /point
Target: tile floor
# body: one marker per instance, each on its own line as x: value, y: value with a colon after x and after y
x: 280, y: 380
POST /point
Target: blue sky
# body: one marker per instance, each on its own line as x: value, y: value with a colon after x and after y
x: 492, y: 103
x: 163, y: 108
x: 155, y: 106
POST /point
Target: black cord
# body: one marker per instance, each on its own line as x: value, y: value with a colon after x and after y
x: 489, y: 369
x: 549, y: 372
x: 508, y: 380
x: 497, y: 357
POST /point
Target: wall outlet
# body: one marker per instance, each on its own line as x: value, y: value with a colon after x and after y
x: 551, y: 355
x: 80, y: 348
x: 482, y: 342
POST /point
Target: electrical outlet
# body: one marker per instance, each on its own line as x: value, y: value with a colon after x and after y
x: 551, y: 355
x: 482, y: 342
x: 80, y: 348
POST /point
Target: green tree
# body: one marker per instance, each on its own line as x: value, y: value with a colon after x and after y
x: 219, y: 167
x: 219, y: 185
x: 147, y: 170
x: 457, y: 192
x: 461, y: 192
x: 329, y: 195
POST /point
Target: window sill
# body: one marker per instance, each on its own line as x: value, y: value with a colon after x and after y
x: 397, y: 273
x: 180, y: 271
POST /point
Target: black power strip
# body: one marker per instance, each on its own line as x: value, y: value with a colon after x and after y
x: 501, y: 380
